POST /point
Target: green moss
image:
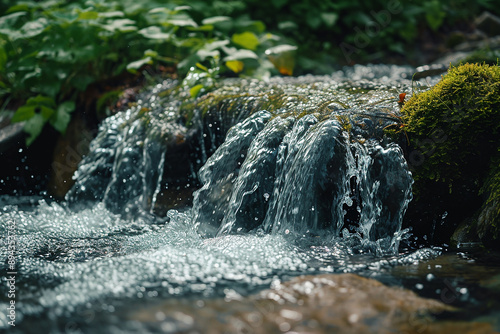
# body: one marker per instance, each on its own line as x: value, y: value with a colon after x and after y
x: 454, y: 128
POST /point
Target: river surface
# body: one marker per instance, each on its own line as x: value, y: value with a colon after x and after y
x: 292, y: 208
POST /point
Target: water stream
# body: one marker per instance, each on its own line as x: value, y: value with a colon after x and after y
x: 291, y: 177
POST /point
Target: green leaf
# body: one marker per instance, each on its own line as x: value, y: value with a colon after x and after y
x: 279, y: 3
x: 186, y: 22
x: 287, y: 25
x: 11, y: 18
x: 251, y: 25
x: 18, y: 8
x: 215, y: 19
x: 33, y: 28
x: 159, y: 10
x: 329, y: 18
x: 281, y: 49
x: 235, y: 65
x: 216, y: 44
x: 23, y: 113
x: 434, y: 14
x: 61, y: 118
x: 90, y: 15
x: 154, y: 32
x: 313, y: 20
x: 180, y: 8
x: 241, y: 54
x: 112, y: 14
x: 201, y: 67
x: 248, y: 40
x: 195, y: 91
x: 3, y: 59
x: 122, y: 25
x: 34, y: 127
x: 151, y: 53
x: 41, y: 100
x: 82, y: 81
x: 204, y: 54
x: 51, y: 87
x: 135, y: 65
x: 46, y: 112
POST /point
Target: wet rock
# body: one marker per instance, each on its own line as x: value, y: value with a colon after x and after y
x: 488, y: 23
x: 344, y: 303
x: 452, y: 58
x: 24, y: 169
x: 429, y: 70
x: 68, y: 152
x: 11, y: 135
x: 454, y: 133
x: 488, y: 224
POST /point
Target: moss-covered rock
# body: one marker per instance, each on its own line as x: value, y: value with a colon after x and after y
x: 488, y: 222
x: 454, y: 132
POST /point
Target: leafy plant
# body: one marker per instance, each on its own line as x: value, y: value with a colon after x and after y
x: 51, y: 50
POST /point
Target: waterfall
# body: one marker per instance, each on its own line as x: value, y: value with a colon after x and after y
x: 294, y: 176
x: 307, y: 157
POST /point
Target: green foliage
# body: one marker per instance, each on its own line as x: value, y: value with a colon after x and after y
x: 372, y: 28
x: 56, y: 49
x: 42, y: 109
x: 454, y: 128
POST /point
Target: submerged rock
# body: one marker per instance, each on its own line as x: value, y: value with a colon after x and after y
x: 345, y: 303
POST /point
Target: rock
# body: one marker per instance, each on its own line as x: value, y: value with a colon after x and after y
x: 488, y: 224
x: 488, y: 23
x: 11, y: 135
x: 344, y: 303
x: 68, y: 152
x: 454, y: 133
x: 25, y: 169
x: 452, y: 58
x: 465, y: 234
x: 429, y: 70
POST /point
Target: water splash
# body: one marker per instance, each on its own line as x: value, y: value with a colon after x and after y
x: 294, y: 176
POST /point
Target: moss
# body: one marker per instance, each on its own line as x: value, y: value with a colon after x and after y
x: 454, y: 133
x: 454, y: 128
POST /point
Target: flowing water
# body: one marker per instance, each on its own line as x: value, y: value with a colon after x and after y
x: 292, y: 177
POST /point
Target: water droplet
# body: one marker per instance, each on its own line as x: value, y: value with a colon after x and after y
x: 419, y: 286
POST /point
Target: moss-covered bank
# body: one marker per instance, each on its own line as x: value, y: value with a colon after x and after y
x: 454, y: 134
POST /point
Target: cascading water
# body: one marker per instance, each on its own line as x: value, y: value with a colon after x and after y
x: 294, y: 176
x: 304, y: 182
